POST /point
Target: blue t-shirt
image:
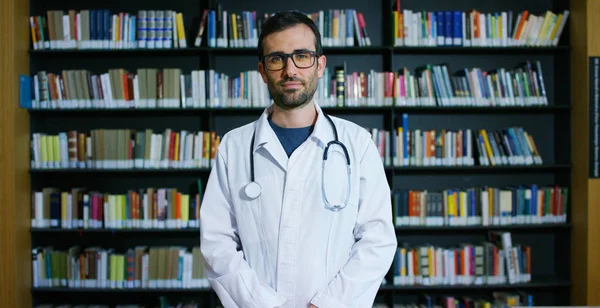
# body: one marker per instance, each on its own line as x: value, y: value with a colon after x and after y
x: 291, y: 138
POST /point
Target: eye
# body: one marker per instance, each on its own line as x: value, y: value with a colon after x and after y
x: 275, y: 59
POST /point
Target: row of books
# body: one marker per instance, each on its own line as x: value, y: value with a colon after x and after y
x: 437, y: 85
x: 338, y: 27
x: 481, y: 206
x: 510, y: 146
x: 144, y: 208
x: 170, y: 208
x: 156, y: 29
x: 124, y: 149
x: 103, y: 29
x: 495, y: 261
x: 498, y: 299
x: 140, y: 267
x: 146, y: 88
x: 428, y: 85
x: 161, y: 303
x: 477, y: 29
x: 146, y: 149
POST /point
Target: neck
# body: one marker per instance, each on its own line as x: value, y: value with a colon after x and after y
x: 295, y: 118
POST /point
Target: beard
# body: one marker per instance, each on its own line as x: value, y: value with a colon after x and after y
x: 288, y: 99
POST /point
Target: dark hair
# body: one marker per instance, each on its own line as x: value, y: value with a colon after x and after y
x: 283, y: 20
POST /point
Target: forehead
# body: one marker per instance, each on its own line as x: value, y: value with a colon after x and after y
x: 297, y: 37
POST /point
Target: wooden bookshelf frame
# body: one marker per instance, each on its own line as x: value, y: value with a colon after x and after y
x: 15, y: 256
x: 586, y: 192
x: 15, y: 264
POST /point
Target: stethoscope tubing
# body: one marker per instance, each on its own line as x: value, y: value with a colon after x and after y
x: 253, y: 189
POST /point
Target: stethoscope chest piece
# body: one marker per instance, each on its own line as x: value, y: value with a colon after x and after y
x: 252, y: 190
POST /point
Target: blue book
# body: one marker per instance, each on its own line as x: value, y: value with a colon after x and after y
x: 25, y: 91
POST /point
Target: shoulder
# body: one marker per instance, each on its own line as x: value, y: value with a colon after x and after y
x: 236, y: 140
x: 353, y: 135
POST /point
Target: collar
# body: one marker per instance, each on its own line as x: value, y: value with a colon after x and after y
x: 265, y: 136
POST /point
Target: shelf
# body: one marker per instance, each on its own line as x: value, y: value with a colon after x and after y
x: 190, y: 51
x: 246, y: 51
x: 516, y: 50
x: 124, y: 290
x: 399, y: 230
x: 256, y: 111
x: 485, y: 110
x: 111, y: 231
x: 465, y: 229
x: 397, y: 170
x: 482, y: 169
x: 539, y: 283
x: 536, y: 283
x: 252, y: 51
x: 117, y: 171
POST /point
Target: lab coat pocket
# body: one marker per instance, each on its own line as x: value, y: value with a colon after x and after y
x: 254, y: 224
x: 341, y: 238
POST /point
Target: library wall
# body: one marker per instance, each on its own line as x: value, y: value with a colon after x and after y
x: 560, y: 131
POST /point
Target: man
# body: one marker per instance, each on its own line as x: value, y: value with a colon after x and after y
x: 271, y: 233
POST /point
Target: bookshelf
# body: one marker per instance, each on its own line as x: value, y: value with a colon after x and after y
x: 556, y: 128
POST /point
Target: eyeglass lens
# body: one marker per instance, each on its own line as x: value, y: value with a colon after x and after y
x: 303, y: 59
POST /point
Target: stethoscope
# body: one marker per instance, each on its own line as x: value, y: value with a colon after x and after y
x: 253, y: 189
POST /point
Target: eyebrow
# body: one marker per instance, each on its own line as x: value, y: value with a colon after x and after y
x: 281, y: 52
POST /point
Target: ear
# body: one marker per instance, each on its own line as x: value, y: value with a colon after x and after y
x: 322, y: 62
x: 261, y: 69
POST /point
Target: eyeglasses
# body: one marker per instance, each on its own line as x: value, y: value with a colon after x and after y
x: 277, y: 61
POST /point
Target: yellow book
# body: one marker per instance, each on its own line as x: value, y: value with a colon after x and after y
x: 123, y: 210
x: 49, y: 150
x: 451, y: 207
x: 430, y: 259
x: 43, y: 152
x: 488, y: 147
x: 463, y: 205
x: 32, y: 27
x: 120, y: 278
x: 234, y: 28
x: 117, y: 28
x: 335, y: 27
x: 180, y: 30
x: 543, y: 32
x: 56, y: 150
x: 185, y: 209
x: 556, y: 25
x: 113, y: 269
x: 499, y: 26
x: 395, y: 27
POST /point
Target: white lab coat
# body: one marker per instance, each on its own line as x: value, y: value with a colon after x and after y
x: 285, y: 249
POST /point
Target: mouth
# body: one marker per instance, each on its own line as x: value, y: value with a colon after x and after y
x: 291, y: 85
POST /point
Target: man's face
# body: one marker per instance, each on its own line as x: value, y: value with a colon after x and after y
x: 292, y: 87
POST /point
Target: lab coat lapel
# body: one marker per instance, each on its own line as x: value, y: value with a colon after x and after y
x: 322, y: 131
x: 267, y: 139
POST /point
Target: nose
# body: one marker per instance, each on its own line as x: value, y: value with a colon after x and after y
x: 290, y: 68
